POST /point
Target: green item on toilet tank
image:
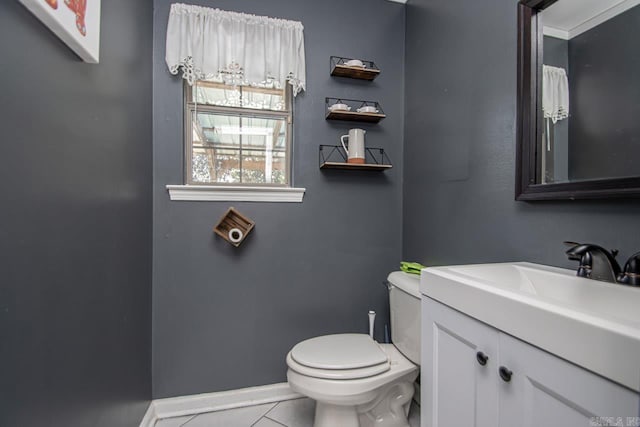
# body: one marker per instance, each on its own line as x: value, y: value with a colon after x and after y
x: 411, y: 267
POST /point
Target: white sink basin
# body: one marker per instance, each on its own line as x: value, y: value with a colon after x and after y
x: 593, y: 324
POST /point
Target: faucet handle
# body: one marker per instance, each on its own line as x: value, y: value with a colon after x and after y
x: 631, y: 274
x: 585, y: 267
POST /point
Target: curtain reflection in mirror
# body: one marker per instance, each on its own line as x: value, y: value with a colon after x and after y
x: 555, y: 107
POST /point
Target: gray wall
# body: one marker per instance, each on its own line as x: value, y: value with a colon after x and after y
x: 460, y: 149
x: 604, y: 79
x: 75, y: 232
x: 225, y: 317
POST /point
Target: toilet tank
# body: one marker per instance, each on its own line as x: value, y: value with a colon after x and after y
x: 404, y: 302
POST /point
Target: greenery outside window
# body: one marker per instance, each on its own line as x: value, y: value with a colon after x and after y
x: 237, y: 135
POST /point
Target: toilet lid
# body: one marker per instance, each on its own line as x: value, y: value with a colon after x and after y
x: 341, y: 351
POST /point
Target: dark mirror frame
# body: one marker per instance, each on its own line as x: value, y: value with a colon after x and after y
x: 529, y: 124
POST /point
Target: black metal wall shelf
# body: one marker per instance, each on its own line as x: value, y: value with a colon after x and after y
x: 355, y: 111
x: 339, y: 68
x: 334, y: 157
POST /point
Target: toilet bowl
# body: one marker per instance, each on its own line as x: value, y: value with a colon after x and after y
x: 355, y: 381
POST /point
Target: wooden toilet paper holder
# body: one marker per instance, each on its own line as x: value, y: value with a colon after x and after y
x: 234, y: 227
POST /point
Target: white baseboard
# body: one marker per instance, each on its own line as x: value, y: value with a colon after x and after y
x: 150, y: 418
x: 209, y: 402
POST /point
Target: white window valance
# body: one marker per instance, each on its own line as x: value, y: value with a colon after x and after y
x: 555, y: 93
x: 237, y: 48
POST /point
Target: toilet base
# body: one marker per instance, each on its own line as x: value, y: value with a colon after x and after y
x: 390, y: 409
x: 329, y: 415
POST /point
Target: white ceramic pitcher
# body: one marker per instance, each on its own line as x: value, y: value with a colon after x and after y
x: 355, y: 152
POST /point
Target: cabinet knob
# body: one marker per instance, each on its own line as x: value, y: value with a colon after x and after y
x: 505, y: 373
x: 482, y: 358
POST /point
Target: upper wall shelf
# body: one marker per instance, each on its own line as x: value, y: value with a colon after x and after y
x: 343, y: 67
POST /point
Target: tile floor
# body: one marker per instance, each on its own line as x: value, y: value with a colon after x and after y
x: 290, y: 413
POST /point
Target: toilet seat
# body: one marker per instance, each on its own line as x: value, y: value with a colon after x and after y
x: 354, y: 391
x: 340, y: 356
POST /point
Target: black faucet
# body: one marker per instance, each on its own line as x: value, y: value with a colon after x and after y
x: 600, y: 264
x: 631, y: 274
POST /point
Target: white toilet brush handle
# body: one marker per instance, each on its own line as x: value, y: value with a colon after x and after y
x: 372, y: 321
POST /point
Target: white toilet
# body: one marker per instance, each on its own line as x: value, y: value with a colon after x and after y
x: 357, y: 382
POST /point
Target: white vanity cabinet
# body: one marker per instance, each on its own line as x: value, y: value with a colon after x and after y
x: 475, y: 375
x: 456, y: 389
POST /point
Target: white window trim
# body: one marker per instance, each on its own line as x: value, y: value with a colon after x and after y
x: 218, y: 193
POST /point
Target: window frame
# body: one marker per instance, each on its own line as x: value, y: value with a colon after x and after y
x: 190, y: 107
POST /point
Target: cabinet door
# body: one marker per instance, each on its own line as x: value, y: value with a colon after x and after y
x: 456, y: 389
x: 545, y: 390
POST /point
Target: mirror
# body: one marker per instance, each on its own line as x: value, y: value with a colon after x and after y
x: 578, y: 99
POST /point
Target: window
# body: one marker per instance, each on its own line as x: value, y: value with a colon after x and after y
x: 238, y: 127
x: 237, y: 134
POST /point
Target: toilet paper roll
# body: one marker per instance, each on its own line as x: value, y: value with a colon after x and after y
x: 235, y: 235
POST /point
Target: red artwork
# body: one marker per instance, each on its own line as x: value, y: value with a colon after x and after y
x: 79, y: 7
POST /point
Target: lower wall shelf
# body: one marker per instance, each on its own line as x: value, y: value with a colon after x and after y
x: 334, y: 157
x: 354, y: 166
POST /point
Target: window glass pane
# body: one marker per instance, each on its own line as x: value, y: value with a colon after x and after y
x: 226, y: 96
x: 279, y: 168
x: 215, y: 150
x: 217, y: 129
x: 201, y: 168
x: 239, y: 150
x: 212, y: 93
x: 263, y: 99
x: 216, y: 166
x: 261, y: 167
x: 253, y: 167
x: 227, y: 166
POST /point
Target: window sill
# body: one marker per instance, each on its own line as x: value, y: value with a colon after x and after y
x: 212, y: 193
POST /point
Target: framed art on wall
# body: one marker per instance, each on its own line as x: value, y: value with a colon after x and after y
x: 76, y: 22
